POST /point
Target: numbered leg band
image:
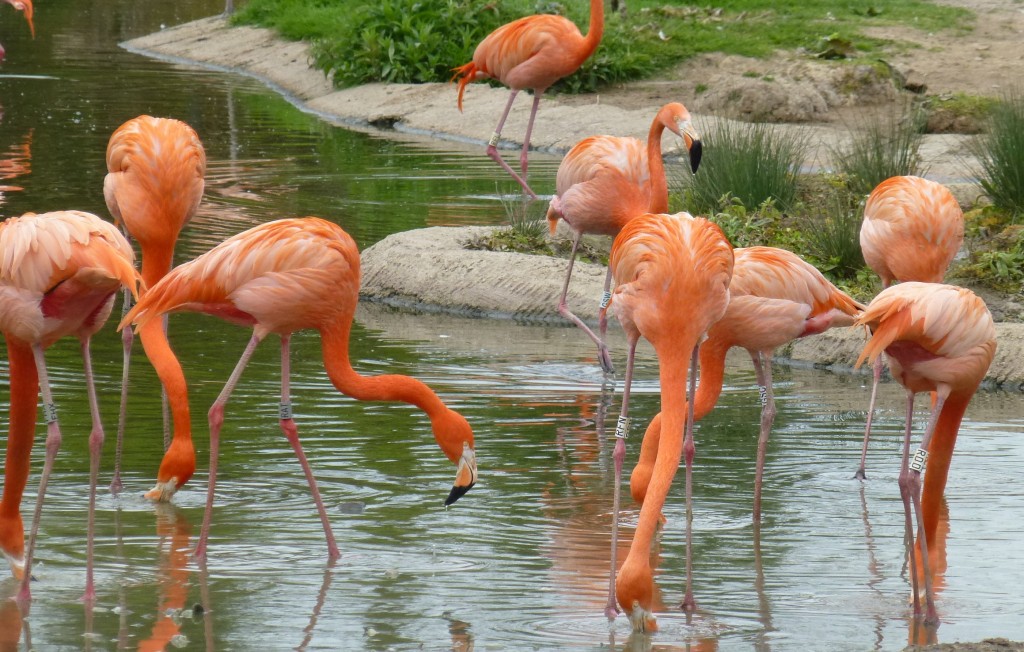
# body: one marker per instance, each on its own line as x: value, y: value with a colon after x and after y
x: 606, y: 298
x: 763, y: 391
x: 285, y: 411
x: 919, y: 459
x: 622, y: 427
x: 49, y: 412
x: 495, y: 137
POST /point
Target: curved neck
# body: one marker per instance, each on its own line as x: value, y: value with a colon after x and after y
x: 940, y: 453
x: 24, y: 382
x: 595, y: 31
x: 168, y: 369
x: 658, y: 183
x: 712, y: 376
x: 156, y: 262
x: 386, y: 387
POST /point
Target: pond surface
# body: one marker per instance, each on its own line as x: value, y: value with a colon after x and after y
x: 521, y: 562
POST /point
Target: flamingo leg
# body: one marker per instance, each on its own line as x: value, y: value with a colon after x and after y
x: 904, y: 482
x: 916, y: 467
x: 492, y: 145
x: 95, y: 448
x: 602, y: 312
x: 763, y: 367
x: 216, y: 418
x: 165, y: 408
x: 619, y: 456
x: 689, y: 449
x: 563, y: 309
x: 53, y: 439
x: 291, y: 432
x: 877, y: 375
x: 127, y: 337
x: 529, y: 132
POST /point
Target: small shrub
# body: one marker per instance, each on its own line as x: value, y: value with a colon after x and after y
x: 833, y: 238
x: 747, y: 163
x: 1000, y: 154
x: 881, y: 149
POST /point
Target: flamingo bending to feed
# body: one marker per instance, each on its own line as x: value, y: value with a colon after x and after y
x: 776, y: 297
x: 605, y: 181
x: 672, y: 276
x: 912, y: 230
x: 281, y: 277
x: 154, y: 183
x: 941, y: 339
x: 59, y: 272
x: 532, y: 52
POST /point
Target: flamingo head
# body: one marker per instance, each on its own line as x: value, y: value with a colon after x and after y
x: 634, y: 589
x: 178, y: 465
x: 455, y: 437
x: 676, y: 119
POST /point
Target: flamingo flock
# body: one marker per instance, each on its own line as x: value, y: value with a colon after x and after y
x: 673, y: 279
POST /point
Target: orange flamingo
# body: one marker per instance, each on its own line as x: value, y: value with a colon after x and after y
x: 532, y: 52
x: 912, y: 230
x: 941, y: 339
x: 58, y: 275
x: 776, y: 297
x: 281, y: 277
x: 672, y: 274
x: 154, y: 183
x: 605, y: 181
x: 25, y: 7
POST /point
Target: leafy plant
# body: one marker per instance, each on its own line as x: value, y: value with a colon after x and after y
x: 882, y: 148
x: 1000, y: 154
x: 746, y: 163
x: 833, y: 238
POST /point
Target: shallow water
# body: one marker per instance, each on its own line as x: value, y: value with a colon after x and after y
x: 520, y: 562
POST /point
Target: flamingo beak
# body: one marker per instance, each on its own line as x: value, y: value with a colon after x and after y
x: 163, y: 491
x: 465, y: 476
x: 641, y: 619
x: 17, y: 566
x: 693, y: 144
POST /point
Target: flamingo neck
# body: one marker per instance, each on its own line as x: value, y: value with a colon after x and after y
x: 940, y: 453
x: 595, y: 31
x: 156, y: 262
x: 658, y: 184
x: 179, y: 461
x: 712, y: 376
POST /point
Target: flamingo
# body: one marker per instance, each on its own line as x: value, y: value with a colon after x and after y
x: 59, y: 272
x: 154, y: 183
x: 776, y: 297
x: 533, y: 53
x: 25, y: 7
x: 280, y: 277
x: 672, y: 274
x: 605, y: 181
x: 939, y: 338
x: 912, y: 230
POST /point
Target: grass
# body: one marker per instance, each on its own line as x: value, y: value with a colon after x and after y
x: 421, y: 40
x: 1000, y: 153
x: 744, y: 163
x: 882, y: 148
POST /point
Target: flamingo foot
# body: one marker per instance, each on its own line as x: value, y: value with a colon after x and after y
x: 116, y: 485
x: 860, y: 474
x: 688, y: 605
x: 606, y: 360
x: 611, y: 610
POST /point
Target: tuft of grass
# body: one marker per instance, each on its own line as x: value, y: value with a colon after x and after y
x: 745, y: 163
x: 1000, y: 153
x: 833, y: 237
x: 880, y: 149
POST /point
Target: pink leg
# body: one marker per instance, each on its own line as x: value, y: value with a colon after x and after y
x: 53, y: 438
x: 611, y: 610
x: 529, y: 132
x: 216, y: 417
x: 291, y: 432
x: 563, y: 309
x: 877, y: 375
x: 492, y: 146
x: 904, y: 482
x: 602, y: 311
x: 127, y: 337
x: 95, y: 448
x: 689, y: 449
x: 916, y: 467
x: 764, y: 381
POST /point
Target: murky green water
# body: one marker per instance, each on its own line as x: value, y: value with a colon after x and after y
x: 521, y: 562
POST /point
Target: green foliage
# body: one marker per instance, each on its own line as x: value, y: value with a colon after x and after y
x: 422, y: 40
x: 833, y: 237
x: 1000, y: 153
x: 746, y: 163
x: 880, y: 149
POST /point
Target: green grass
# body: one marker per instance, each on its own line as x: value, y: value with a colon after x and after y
x: 1000, y: 152
x: 421, y: 40
x: 881, y: 149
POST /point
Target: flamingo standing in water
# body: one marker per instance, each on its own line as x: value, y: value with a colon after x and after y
x: 533, y: 53
x: 672, y: 274
x: 281, y: 277
x: 605, y: 181
x: 154, y: 183
x: 58, y: 275
x: 941, y: 339
x: 776, y: 297
x: 912, y: 230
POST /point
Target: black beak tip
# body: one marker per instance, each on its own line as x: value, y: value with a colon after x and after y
x: 456, y: 493
x: 696, y: 150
